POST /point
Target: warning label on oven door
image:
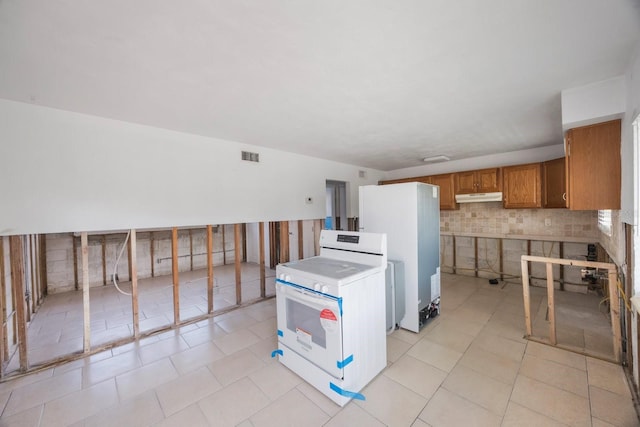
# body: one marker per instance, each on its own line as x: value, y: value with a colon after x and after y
x: 328, y: 320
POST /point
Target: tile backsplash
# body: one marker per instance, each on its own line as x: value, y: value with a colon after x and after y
x: 492, y: 218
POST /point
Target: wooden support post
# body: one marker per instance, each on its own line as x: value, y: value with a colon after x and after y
x: 209, y: 269
x: 238, y: 259
x: 551, y: 306
x: 263, y: 275
x: 191, y: 249
x: 104, y: 260
x: 525, y: 295
x: 17, y: 283
x: 300, y: 240
x: 176, y: 275
x: 614, y: 308
x: 152, y: 254
x: 75, y: 261
x: 134, y: 283
x: 475, y: 254
x: 224, y: 247
x: 85, y: 291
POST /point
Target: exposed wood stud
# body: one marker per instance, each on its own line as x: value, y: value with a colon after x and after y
x: 300, y: 240
x: 18, y: 289
x: 263, y: 275
x: 500, y: 258
x: 238, y: 259
x: 561, y: 255
x: 43, y: 263
x: 475, y: 255
x: 104, y: 260
x: 284, y: 241
x: 191, y: 249
x: 529, y: 252
x: 4, y: 351
x: 273, y: 244
x: 209, y: 269
x: 551, y: 307
x: 176, y: 275
x: 134, y: 283
x: 244, y: 242
x: 317, y: 228
x: 32, y: 275
x: 3, y: 288
x: 524, y: 265
x: 129, y: 258
x: 614, y: 308
x: 224, y: 246
x: 454, y: 253
x: 151, y: 253
x: 75, y: 261
x: 85, y: 291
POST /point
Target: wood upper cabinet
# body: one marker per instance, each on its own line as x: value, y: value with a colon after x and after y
x: 446, y: 182
x: 522, y: 186
x: 554, y: 188
x: 479, y: 181
x: 447, y: 185
x: 593, y: 166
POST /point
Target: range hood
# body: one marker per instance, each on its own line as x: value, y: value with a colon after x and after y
x: 479, y: 197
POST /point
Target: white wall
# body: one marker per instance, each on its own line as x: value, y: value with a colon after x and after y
x: 64, y: 171
x: 594, y: 103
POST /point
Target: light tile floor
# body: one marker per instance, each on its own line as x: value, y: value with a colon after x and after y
x: 467, y: 367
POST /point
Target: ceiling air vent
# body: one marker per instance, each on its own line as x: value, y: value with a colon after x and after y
x: 250, y: 157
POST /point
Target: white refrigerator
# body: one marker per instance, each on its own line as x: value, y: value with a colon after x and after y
x: 409, y: 213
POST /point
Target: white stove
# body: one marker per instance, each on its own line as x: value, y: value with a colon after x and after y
x: 331, y: 314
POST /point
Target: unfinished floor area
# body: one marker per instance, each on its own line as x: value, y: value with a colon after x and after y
x: 469, y: 366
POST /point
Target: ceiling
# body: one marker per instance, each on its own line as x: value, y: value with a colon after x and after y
x: 374, y: 83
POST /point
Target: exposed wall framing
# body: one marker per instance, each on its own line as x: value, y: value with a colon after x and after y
x: 90, y: 257
x: 552, y: 339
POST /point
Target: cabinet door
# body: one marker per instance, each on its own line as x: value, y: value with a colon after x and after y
x: 488, y: 180
x: 446, y: 182
x: 522, y: 186
x: 593, y: 166
x: 466, y: 182
x: 554, y: 194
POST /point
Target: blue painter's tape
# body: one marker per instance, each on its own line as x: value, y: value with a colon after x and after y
x: 274, y: 352
x: 345, y: 362
x: 346, y: 393
x: 280, y: 334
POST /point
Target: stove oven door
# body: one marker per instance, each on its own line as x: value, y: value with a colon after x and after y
x: 310, y: 323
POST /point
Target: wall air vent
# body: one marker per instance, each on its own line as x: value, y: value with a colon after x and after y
x: 250, y: 157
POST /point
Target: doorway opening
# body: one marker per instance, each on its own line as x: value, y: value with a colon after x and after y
x: 336, y: 217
